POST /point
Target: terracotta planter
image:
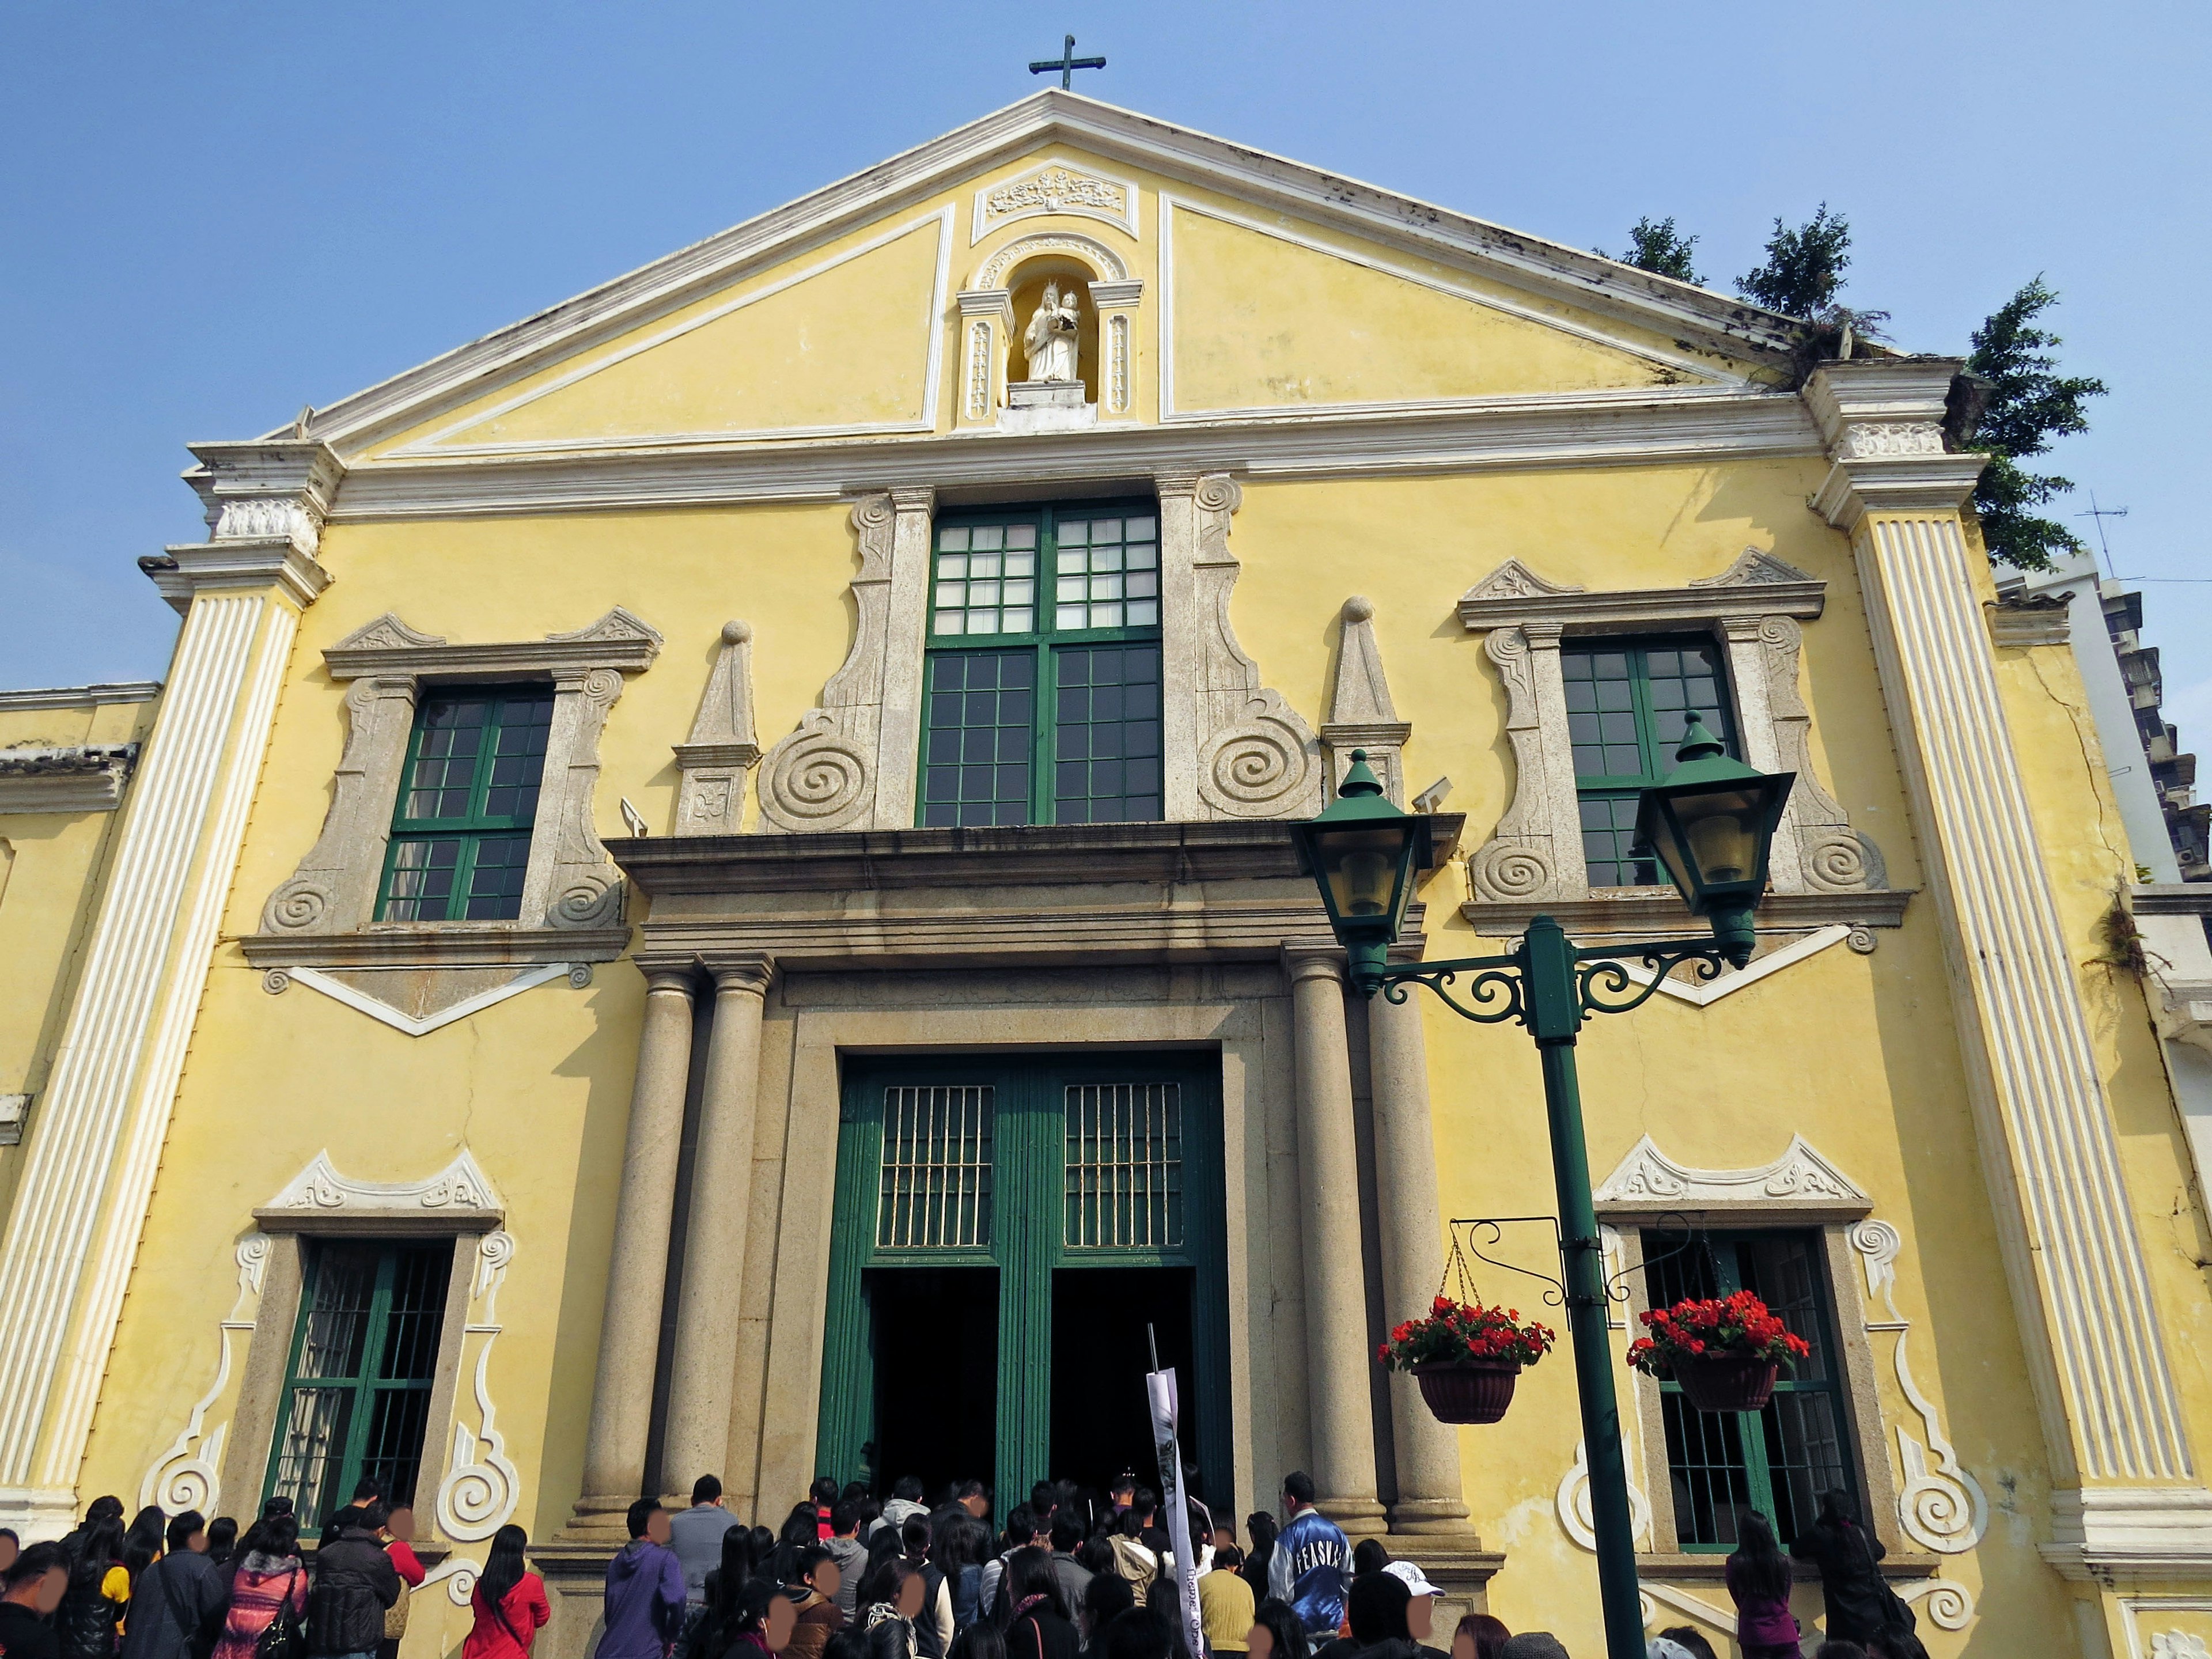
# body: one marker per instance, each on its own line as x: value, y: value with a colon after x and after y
x: 1468, y: 1390
x: 1727, y: 1382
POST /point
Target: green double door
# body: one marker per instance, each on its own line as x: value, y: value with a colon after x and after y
x: 1006, y: 1231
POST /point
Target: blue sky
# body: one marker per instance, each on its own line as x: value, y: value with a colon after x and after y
x: 215, y: 213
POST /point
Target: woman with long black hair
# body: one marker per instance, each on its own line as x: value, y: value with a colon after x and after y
x: 98, y: 1586
x: 508, y: 1600
x: 1034, y: 1623
x: 1859, y: 1603
x: 891, y: 1600
x: 1759, y: 1583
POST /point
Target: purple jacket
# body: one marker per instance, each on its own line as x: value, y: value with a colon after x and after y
x: 645, y: 1597
x: 1760, y: 1620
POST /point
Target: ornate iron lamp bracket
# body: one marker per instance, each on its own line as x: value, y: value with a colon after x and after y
x: 1499, y: 988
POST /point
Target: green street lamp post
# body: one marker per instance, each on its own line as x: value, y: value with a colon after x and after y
x: 1711, y: 824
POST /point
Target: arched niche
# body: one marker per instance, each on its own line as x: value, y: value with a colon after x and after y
x: 1026, y: 284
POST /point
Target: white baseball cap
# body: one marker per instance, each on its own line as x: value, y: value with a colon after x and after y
x: 1415, y: 1579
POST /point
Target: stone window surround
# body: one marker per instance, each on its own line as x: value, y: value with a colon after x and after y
x: 439, y: 1208
x: 572, y: 901
x: 1800, y: 1192
x: 1753, y: 610
x: 1235, y: 749
x: 989, y: 330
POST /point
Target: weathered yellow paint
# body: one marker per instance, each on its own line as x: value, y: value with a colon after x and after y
x: 1263, y: 321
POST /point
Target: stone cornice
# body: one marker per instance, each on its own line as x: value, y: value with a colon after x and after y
x: 87, y: 778
x: 387, y: 648
x: 1882, y: 420
x: 83, y: 696
x: 240, y: 562
x: 1650, y: 914
x: 2172, y: 898
x: 1757, y: 585
x: 1070, y: 855
x: 304, y: 470
x: 1595, y: 428
x: 435, y: 945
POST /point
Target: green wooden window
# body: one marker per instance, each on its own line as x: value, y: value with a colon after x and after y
x: 1777, y: 1461
x: 1628, y: 701
x: 1070, y: 1194
x: 460, y: 831
x: 1043, y: 689
x: 364, y: 1357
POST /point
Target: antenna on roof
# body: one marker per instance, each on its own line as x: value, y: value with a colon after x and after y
x: 2101, y: 513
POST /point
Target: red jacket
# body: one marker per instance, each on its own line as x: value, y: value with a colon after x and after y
x: 526, y: 1612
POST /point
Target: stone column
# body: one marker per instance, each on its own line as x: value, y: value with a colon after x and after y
x: 702, y: 1377
x: 1336, y: 1300
x: 1430, y: 1498
x: 637, y: 1265
x: 2127, y: 1495
x: 93, y: 1145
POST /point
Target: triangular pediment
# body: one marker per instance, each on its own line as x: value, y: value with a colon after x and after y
x: 1266, y: 288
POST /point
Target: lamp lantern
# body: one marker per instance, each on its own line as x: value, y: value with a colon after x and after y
x: 1711, y: 824
x: 1362, y: 852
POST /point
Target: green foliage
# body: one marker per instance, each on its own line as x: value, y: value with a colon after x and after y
x: 2029, y: 404
x: 1804, y: 269
x: 1655, y: 245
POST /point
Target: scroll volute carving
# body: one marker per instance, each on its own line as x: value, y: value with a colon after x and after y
x: 334, y: 889
x: 1257, y: 757
x: 1521, y: 859
x: 1836, y: 858
x: 822, y: 776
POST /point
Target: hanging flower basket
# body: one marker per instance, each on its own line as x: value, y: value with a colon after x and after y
x: 1727, y: 1382
x: 1466, y: 1357
x: 1466, y: 1390
x: 1725, y: 1352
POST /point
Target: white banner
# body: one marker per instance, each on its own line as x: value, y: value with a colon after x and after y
x: 1160, y: 1393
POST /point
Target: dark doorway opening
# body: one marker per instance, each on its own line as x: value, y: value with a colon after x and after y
x: 1101, y: 1425
x: 937, y: 1374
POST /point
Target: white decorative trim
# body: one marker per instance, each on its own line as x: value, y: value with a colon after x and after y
x: 1107, y: 265
x: 1059, y: 187
x: 2096, y: 1354
x: 1943, y: 1509
x: 90, y: 1159
x: 1647, y: 1179
x: 2172, y: 1643
x: 83, y: 696
x: 14, y: 1112
x: 1948, y: 1604
x: 435, y: 444
x: 1720, y: 1619
x: 1703, y: 995
x: 1571, y: 1503
x: 277, y: 979
x: 461, y: 1185
x: 180, y: 1478
x: 1598, y: 429
x: 1169, y: 206
x: 482, y: 1487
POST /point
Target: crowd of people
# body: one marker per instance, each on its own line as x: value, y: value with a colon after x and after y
x: 1076, y: 1575
x: 183, y: 1587
x: 1073, y: 1575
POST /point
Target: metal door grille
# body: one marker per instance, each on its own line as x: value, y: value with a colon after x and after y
x: 1124, y: 1166
x: 936, y: 1186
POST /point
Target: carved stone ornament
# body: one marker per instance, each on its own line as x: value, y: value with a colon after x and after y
x: 1515, y: 580
x: 570, y: 882
x: 1832, y: 857
x: 275, y: 518
x: 2019, y: 620
x: 1361, y: 714
x: 830, y: 773
x: 1110, y: 266
x: 1881, y: 439
x: 187, y: 1476
x: 710, y: 800
x: 1648, y: 1179
x: 1535, y: 851
x: 1257, y: 758
x: 461, y: 1185
x: 1056, y: 187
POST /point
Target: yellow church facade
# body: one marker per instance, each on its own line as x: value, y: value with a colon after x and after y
x: 707, y: 891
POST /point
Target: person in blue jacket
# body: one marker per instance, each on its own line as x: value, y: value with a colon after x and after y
x: 1312, y: 1564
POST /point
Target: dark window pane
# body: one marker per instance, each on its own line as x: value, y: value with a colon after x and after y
x: 1109, y: 708
x: 979, y: 737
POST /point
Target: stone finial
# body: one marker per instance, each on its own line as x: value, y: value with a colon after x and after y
x: 711, y: 798
x: 1360, y: 713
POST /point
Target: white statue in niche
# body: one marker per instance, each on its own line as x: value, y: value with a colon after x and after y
x: 1050, y: 339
